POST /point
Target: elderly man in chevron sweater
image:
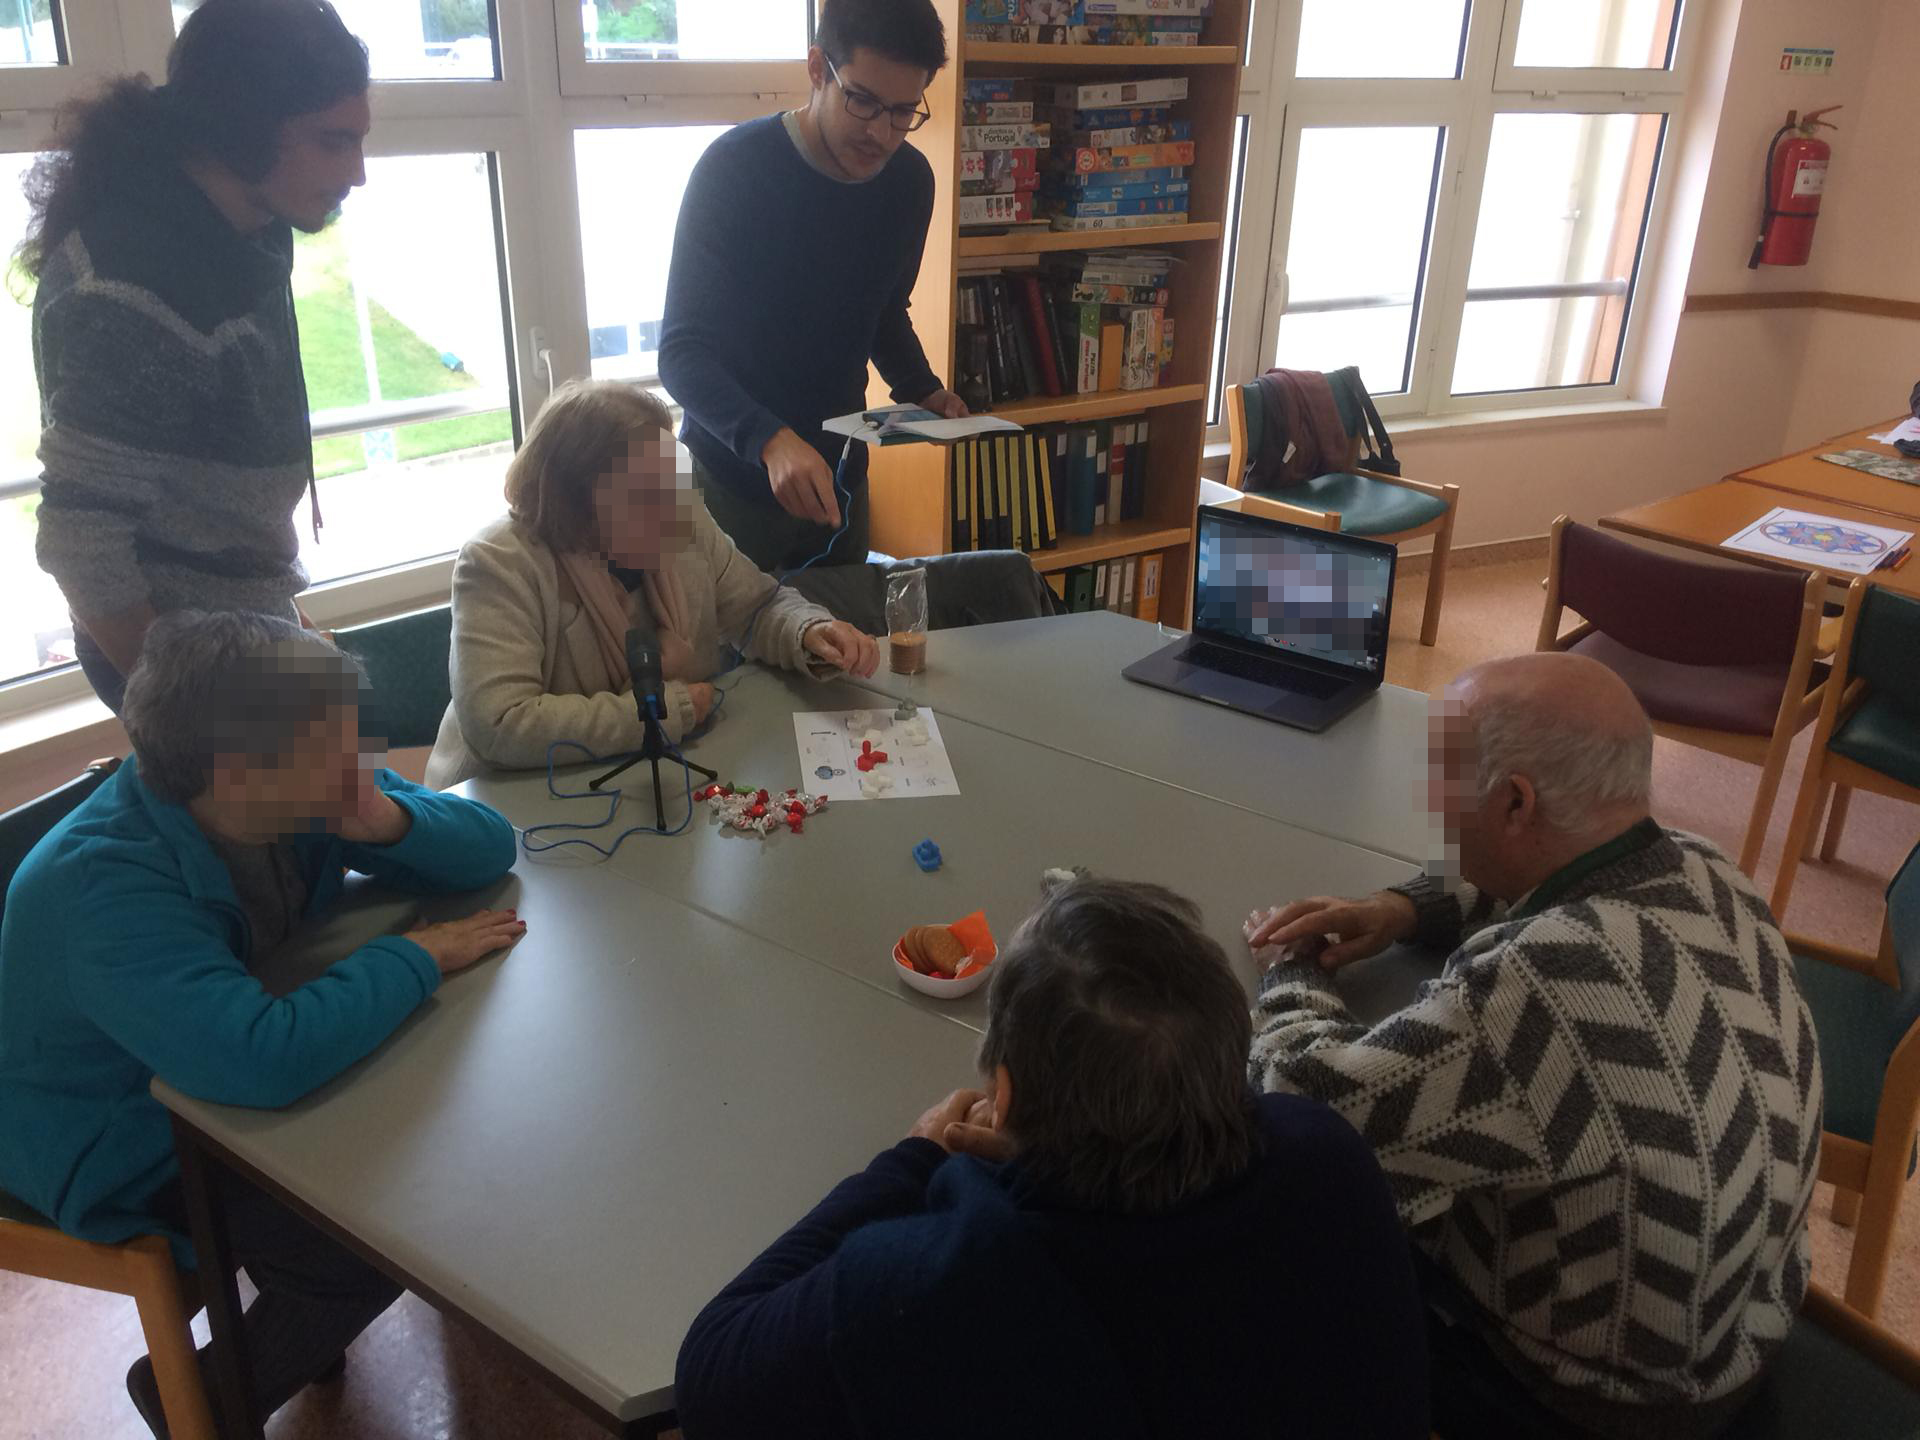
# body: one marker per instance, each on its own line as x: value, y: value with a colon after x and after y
x: 1601, y: 1122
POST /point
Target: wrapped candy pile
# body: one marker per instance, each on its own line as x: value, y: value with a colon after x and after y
x: 760, y: 812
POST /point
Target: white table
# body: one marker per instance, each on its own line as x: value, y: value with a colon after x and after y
x: 574, y: 1148
x: 1056, y: 682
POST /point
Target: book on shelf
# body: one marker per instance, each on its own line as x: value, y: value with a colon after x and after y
x: 993, y: 172
x: 1089, y: 160
x: 1010, y: 208
x: 1024, y: 491
x: 1074, y: 224
x: 1128, y: 585
x: 1108, y: 94
x: 996, y: 112
x: 1086, y: 22
x: 1154, y: 133
x: 1066, y: 327
x: 1147, y: 605
x: 1005, y: 137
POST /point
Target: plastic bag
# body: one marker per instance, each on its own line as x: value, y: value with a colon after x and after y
x: 907, y: 621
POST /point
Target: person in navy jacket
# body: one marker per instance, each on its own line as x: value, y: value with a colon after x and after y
x: 1113, y: 1237
x: 128, y: 936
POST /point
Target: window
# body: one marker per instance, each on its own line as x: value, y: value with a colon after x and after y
x: 1459, y: 194
x: 31, y: 33
x: 414, y: 39
x: 626, y: 237
x: 35, y: 633
x: 1555, y: 250
x: 404, y: 346
x: 683, y: 47
x: 695, y: 29
x: 1382, y: 38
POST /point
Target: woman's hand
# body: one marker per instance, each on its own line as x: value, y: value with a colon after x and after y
x: 701, y: 693
x: 843, y: 647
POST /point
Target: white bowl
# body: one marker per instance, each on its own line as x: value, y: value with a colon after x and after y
x: 938, y: 988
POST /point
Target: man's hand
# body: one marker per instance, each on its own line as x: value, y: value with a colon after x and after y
x: 843, y: 647
x: 377, y: 819
x: 801, y: 481
x: 946, y: 403
x: 1363, y: 927
x: 456, y: 944
x: 950, y: 1112
x: 977, y: 1136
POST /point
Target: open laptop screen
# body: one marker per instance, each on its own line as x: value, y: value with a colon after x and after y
x: 1303, y: 592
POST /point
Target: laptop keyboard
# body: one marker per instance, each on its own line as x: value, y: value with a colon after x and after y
x: 1227, y: 661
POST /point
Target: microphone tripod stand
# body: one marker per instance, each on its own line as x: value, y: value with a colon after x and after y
x: 653, y: 749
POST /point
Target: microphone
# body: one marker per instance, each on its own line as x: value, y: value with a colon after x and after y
x: 643, y: 660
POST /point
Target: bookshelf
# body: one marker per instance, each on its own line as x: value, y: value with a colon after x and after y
x: 909, y: 483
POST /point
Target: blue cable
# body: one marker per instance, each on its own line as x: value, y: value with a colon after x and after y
x: 612, y: 797
x: 845, y: 493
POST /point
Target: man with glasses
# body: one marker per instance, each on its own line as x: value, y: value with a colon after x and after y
x: 798, y: 245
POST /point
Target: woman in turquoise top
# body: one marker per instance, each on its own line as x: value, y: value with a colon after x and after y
x: 129, y: 929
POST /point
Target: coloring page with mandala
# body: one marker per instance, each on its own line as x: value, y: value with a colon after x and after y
x: 1809, y: 539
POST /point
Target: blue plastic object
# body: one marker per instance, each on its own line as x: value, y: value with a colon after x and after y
x: 927, y: 855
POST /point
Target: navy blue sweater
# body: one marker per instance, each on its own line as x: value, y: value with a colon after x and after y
x: 936, y: 1297
x: 784, y: 284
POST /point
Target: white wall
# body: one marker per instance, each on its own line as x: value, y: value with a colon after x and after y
x: 1859, y: 369
x: 1736, y: 387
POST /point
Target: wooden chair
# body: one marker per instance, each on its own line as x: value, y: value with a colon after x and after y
x: 1868, y: 737
x: 1866, y: 1011
x: 1361, y: 502
x: 143, y: 1267
x: 1721, y: 654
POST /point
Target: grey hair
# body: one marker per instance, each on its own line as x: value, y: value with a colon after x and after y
x: 216, y: 685
x: 1575, y: 768
x: 1126, y: 1036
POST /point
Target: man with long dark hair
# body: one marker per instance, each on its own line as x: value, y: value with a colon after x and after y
x: 177, y: 445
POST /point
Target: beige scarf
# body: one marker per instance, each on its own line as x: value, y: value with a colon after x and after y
x: 605, y: 599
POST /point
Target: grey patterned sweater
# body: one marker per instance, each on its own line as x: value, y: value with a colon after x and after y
x: 1602, y: 1120
x: 176, y: 444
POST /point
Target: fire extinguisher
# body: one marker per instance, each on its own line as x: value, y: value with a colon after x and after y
x: 1795, y: 179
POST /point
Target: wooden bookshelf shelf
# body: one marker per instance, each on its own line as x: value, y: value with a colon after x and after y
x: 1037, y: 241
x: 1129, y: 537
x: 912, y: 485
x: 1099, y: 405
x: 1040, y: 58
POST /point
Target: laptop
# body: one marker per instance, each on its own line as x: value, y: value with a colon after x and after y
x: 1289, y: 623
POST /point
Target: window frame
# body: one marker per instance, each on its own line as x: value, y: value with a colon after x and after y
x: 583, y: 78
x: 1279, y: 105
x: 91, y: 36
x: 1547, y: 81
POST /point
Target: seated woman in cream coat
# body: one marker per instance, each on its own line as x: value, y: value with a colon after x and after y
x: 602, y: 535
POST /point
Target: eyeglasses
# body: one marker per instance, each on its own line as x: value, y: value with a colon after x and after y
x: 863, y: 106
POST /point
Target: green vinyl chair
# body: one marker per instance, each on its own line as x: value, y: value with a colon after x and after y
x: 1868, y: 733
x: 406, y: 662
x: 1866, y: 1012
x: 1360, y: 502
x: 1838, y: 1374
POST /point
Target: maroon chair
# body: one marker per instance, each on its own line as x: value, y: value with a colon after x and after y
x: 1721, y: 654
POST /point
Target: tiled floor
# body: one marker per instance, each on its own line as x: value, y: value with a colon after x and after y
x: 414, y: 1377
